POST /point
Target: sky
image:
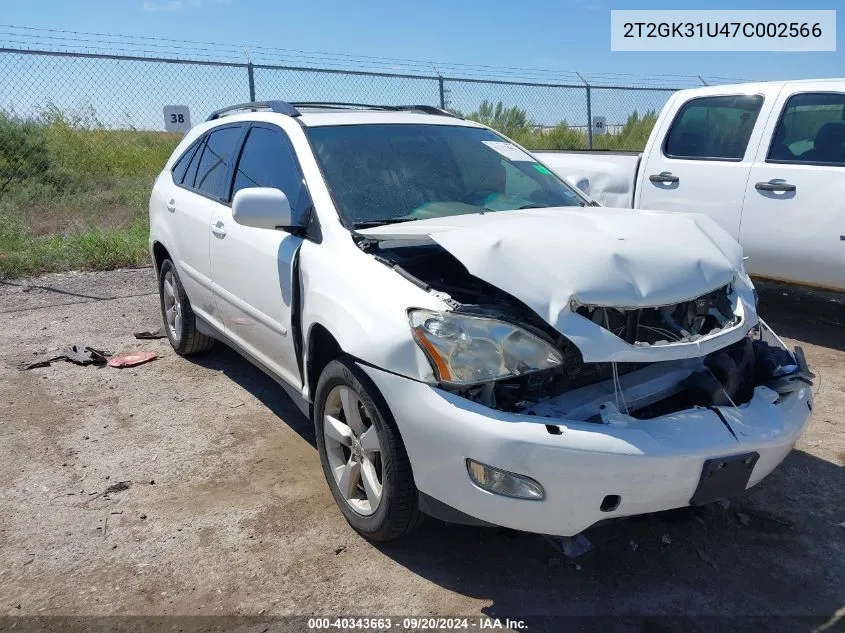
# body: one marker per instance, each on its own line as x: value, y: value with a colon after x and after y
x: 567, y: 35
x: 501, y: 39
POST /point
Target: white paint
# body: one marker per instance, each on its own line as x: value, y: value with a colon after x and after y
x: 652, y: 464
x: 177, y: 118
x: 609, y: 178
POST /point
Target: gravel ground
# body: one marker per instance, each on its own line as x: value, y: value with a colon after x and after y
x: 228, y: 512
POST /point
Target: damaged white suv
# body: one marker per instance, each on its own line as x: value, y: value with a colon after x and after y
x: 472, y: 338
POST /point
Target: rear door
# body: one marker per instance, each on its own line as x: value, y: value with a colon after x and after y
x: 793, y: 223
x: 702, y: 163
x: 252, y: 269
x: 192, y: 202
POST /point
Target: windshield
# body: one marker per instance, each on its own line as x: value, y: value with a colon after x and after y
x: 382, y: 173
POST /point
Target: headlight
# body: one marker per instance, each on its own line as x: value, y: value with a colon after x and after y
x: 469, y: 350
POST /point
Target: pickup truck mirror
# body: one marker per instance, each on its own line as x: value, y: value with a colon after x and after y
x: 263, y: 208
x: 580, y: 183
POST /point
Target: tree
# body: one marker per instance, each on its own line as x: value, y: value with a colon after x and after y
x: 507, y: 120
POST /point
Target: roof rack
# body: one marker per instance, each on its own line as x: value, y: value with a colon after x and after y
x: 427, y: 109
x: 280, y: 107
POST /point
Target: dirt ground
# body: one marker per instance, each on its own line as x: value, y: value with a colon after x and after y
x: 228, y: 511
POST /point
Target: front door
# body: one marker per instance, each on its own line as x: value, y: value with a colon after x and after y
x: 252, y: 269
x: 703, y: 164
x: 793, y: 224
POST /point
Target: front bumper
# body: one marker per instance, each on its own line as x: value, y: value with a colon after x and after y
x: 652, y: 465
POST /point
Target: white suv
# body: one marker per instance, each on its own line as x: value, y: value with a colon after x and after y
x: 473, y: 338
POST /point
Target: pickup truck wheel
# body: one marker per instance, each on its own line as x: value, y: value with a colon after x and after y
x: 180, y: 324
x: 363, y: 457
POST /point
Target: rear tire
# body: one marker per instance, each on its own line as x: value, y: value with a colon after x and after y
x: 180, y: 323
x: 379, y: 499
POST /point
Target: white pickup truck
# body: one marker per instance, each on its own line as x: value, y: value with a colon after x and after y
x: 764, y: 160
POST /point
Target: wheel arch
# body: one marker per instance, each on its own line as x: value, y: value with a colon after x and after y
x: 321, y: 349
x: 160, y: 253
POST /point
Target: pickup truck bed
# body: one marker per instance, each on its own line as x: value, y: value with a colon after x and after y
x: 608, y: 177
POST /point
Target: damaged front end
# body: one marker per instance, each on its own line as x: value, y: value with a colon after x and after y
x: 493, y: 349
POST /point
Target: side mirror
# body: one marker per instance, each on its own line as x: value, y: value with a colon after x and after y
x: 262, y: 208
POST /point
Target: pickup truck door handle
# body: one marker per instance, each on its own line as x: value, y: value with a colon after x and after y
x: 664, y: 176
x: 774, y: 185
x: 171, y: 205
x: 219, y: 229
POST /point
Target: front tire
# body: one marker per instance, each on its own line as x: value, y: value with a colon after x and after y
x: 362, y: 454
x: 180, y: 324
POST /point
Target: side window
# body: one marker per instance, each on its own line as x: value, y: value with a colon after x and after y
x: 214, y: 162
x: 191, y: 169
x: 811, y: 130
x: 267, y: 160
x: 714, y: 128
x: 181, y: 165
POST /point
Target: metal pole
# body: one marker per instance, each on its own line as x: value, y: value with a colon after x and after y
x: 701, y: 79
x: 442, y: 92
x: 251, y: 73
x: 589, y: 114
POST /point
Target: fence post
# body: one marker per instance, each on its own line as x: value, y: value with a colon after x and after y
x: 251, y: 75
x: 442, y: 92
x: 589, y: 113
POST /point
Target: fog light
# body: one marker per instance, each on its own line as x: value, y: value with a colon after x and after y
x: 501, y: 482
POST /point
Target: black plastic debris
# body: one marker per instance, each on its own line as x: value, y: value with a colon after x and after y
x: 78, y: 354
x: 570, y: 546
x: 159, y: 333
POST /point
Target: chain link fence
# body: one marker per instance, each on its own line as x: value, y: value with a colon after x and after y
x: 82, y: 134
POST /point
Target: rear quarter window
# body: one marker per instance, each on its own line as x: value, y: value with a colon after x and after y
x: 182, y: 163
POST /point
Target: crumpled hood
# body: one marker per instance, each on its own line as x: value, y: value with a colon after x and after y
x: 596, y: 256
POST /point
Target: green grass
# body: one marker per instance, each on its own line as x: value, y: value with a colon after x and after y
x: 74, y: 195
x: 95, y: 249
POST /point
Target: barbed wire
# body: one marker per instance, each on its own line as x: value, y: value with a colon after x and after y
x: 149, y: 46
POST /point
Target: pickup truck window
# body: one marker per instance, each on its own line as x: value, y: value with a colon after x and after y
x: 713, y: 128
x: 811, y: 130
x: 380, y: 173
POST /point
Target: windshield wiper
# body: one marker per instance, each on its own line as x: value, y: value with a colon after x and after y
x: 368, y: 223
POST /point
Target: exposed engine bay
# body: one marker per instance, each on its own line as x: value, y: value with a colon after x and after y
x: 661, y: 325
x: 583, y: 390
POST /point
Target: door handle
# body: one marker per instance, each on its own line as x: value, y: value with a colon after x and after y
x: 219, y: 229
x: 774, y: 185
x: 664, y: 176
x: 171, y: 206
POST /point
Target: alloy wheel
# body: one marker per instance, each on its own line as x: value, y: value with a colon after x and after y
x: 172, y: 305
x: 353, y: 450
